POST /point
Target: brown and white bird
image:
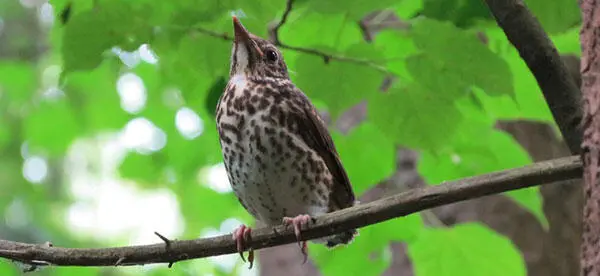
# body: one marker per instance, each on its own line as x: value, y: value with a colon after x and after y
x: 278, y: 154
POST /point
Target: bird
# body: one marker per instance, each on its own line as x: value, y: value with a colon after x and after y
x: 279, y: 156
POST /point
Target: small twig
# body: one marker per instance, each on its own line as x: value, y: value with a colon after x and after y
x: 163, y: 238
x: 329, y: 57
x: 120, y: 261
x: 275, y: 30
x: 326, y: 57
x: 167, y: 245
x: 221, y: 35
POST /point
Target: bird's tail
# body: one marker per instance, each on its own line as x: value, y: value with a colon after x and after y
x: 341, y: 238
x: 345, y: 237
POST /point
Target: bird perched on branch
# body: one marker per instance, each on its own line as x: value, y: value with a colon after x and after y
x: 278, y: 154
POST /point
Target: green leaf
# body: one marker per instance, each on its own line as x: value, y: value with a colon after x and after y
x: 8, y: 268
x: 144, y: 169
x: 396, y: 47
x: 471, y: 61
x: 528, y: 95
x: 193, y: 66
x: 465, y: 249
x: 76, y: 6
x: 333, y: 33
x: 406, y: 9
x: 203, y: 207
x: 367, y: 154
x: 353, y: 9
x: 52, y: 126
x: 258, y: 14
x: 568, y: 41
x: 18, y: 80
x: 98, y: 103
x: 414, y: 117
x: 83, y: 271
x: 213, y: 96
x: 462, y: 13
x: 91, y: 33
x: 369, y: 253
x: 188, y: 156
x: 479, y: 149
x: 556, y: 16
x: 184, y: 156
x: 339, y: 85
x: 5, y: 133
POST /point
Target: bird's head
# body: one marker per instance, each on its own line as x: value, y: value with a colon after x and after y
x: 254, y: 57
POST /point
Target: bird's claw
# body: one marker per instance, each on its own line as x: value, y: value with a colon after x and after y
x: 241, y: 236
x: 298, y: 222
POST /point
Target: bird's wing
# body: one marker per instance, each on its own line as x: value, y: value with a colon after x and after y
x: 315, y: 133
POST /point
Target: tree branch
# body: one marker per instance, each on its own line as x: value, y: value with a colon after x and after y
x: 358, y: 216
x: 326, y: 57
x: 537, y: 50
x: 274, y: 31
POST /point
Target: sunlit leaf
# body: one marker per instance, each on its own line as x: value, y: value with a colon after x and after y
x: 465, y: 249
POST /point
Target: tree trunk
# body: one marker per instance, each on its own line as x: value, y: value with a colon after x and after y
x: 590, y: 69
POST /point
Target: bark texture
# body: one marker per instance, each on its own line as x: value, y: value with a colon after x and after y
x: 590, y: 70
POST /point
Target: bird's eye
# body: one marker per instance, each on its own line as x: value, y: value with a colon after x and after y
x: 271, y: 55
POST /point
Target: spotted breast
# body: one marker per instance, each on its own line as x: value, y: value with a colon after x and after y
x: 272, y: 170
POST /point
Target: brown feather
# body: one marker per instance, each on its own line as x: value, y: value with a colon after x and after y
x: 342, y: 195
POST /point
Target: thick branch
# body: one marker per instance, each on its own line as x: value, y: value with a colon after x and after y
x: 562, y: 95
x: 359, y: 216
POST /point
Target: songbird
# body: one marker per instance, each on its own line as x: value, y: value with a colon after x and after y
x: 279, y: 156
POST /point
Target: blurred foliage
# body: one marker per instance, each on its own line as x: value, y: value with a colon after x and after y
x: 457, y: 74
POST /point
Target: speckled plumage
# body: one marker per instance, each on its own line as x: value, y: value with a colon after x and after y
x: 278, y: 154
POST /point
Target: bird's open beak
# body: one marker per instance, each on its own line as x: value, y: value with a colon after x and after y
x: 243, y: 36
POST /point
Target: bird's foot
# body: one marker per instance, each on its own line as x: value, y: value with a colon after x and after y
x: 241, y: 236
x: 298, y: 222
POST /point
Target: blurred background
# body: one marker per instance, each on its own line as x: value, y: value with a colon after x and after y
x: 107, y: 130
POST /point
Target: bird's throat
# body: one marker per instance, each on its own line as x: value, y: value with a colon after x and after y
x: 239, y: 80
